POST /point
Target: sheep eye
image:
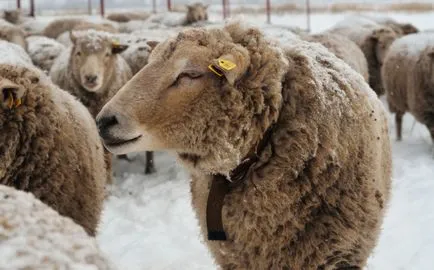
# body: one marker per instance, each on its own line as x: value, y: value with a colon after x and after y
x: 107, y: 54
x: 191, y: 75
x: 78, y: 53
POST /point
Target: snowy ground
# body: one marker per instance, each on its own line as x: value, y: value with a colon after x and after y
x: 148, y: 222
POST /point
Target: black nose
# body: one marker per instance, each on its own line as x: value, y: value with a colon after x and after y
x: 105, y: 123
x: 91, y: 78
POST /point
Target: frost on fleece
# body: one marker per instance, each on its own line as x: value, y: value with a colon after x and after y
x: 34, y: 236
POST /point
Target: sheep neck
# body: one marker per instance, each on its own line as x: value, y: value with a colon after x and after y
x: 221, y: 185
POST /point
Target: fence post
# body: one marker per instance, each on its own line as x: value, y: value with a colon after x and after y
x: 169, y: 5
x: 102, y: 8
x: 308, y: 14
x: 268, y: 7
x: 154, y: 6
x: 228, y: 8
x: 89, y: 7
x: 225, y: 9
x: 32, y: 8
x: 18, y: 4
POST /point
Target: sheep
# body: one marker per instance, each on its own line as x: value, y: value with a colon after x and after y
x: 344, y: 49
x: 123, y: 17
x: 57, y: 27
x: 49, y: 142
x: 13, y: 16
x: 34, y: 236
x: 43, y: 51
x: 195, y: 13
x: 374, y: 40
x: 93, y: 71
x: 292, y: 141
x: 12, y: 33
x: 399, y: 28
x: 407, y: 77
x: 137, y: 53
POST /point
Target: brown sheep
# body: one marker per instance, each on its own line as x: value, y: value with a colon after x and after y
x: 49, y: 142
x: 13, y: 34
x: 344, y: 49
x: 399, y: 28
x: 13, y: 16
x: 408, y: 79
x: 301, y: 135
x: 123, y: 17
x: 374, y: 40
x: 34, y: 236
x: 59, y: 26
x: 195, y: 13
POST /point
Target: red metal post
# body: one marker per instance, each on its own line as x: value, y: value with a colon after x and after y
x: 169, y: 5
x: 308, y: 14
x: 102, y: 8
x: 18, y: 4
x: 268, y: 7
x: 154, y: 6
x: 32, y: 8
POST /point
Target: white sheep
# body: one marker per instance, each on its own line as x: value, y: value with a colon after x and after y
x: 34, y: 236
x: 43, y: 51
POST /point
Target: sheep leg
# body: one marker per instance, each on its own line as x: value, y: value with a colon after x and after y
x: 150, y: 168
x: 398, y: 119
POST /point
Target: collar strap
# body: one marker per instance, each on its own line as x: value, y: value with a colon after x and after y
x: 221, y: 186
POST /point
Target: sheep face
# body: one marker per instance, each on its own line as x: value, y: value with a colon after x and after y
x: 178, y: 103
x: 197, y: 12
x: 12, y: 16
x: 93, y: 60
x: 14, y: 36
x: 383, y: 38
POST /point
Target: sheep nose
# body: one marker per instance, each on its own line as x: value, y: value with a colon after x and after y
x: 105, y: 123
x: 91, y: 78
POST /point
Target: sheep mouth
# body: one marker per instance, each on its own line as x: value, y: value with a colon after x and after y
x: 113, y: 143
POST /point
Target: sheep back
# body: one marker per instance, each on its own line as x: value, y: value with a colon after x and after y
x: 43, y: 51
x: 52, y: 148
x: 344, y: 49
x: 36, y: 237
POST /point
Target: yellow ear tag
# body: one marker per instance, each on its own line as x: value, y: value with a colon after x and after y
x: 226, y: 64
x: 10, y: 101
x: 17, y: 102
x: 213, y: 69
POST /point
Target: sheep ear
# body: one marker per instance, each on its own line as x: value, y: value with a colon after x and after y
x: 152, y: 44
x: 232, y: 66
x: 118, y: 48
x: 73, y: 37
x: 11, y: 94
x: 431, y: 54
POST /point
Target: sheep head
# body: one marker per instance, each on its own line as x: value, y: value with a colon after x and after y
x: 197, y: 12
x: 198, y: 97
x: 93, y: 58
x: 383, y: 38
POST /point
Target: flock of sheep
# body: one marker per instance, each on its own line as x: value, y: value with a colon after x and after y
x: 304, y: 117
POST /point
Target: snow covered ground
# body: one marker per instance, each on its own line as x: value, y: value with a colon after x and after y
x: 148, y: 222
